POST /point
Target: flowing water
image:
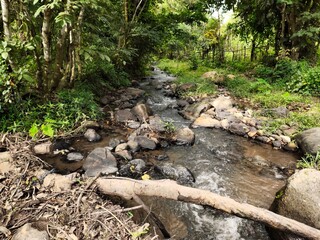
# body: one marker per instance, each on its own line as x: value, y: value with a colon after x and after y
x: 222, y: 163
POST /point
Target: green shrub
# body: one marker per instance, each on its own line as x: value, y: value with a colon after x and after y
x: 306, y: 81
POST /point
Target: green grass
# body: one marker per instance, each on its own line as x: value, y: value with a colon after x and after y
x: 263, y: 94
x: 184, y: 74
x: 310, y: 161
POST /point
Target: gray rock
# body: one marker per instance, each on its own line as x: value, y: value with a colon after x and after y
x: 193, y: 111
x: 134, y: 168
x: 75, y: 157
x: 145, y: 142
x: 124, y: 115
x: 91, y: 135
x: 276, y: 144
x: 100, y: 160
x: 178, y: 173
x: 206, y: 120
x: 134, y: 93
x: 277, y: 112
x: 221, y: 103
x: 124, y: 154
x: 142, y: 112
x: 263, y: 139
x: 121, y: 147
x: 185, y: 136
x: 133, y: 145
x: 309, y: 140
x: 182, y: 103
x: 27, y: 232
x: 114, y: 142
x: 301, y: 198
x: 156, y: 124
x: 134, y: 124
x: 43, y: 148
x: 239, y: 128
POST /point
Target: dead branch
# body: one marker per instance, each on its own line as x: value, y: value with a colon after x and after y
x: 128, y: 188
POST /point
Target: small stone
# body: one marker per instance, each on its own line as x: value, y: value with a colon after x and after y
x: 75, y: 156
x: 133, y: 145
x: 162, y: 157
x: 206, y: 120
x: 164, y: 144
x: 276, y: 137
x: 145, y: 142
x: 285, y: 139
x: 91, y: 135
x: 225, y: 124
x: 6, y: 165
x: 252, y: 134
x: 263, y: 139
x: 239, y: 128
x: 121, y: 147
x: 185, y: 136
x: 276, y: 144
x: 43, y: 148
x: 57, y: 182
x: 124, y: 154
x: 260, y: 132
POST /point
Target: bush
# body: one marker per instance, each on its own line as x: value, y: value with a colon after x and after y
x: 305, y: 81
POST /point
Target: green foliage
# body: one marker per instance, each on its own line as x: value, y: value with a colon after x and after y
x: 310, y: 161
x: 169, y: 127
x: 68, y: 109
x: 306, y: 81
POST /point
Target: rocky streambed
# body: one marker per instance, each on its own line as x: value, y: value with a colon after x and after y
x: 151, y: 133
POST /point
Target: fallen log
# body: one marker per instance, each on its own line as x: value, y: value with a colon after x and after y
x: 129, y: 188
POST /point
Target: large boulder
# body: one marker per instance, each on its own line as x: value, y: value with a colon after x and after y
x: 176, y: 172
x: 309, y: 140
x: 300, y: 200
x: 100, y: 160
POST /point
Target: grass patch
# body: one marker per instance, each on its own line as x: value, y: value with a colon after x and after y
x: 310, y: 161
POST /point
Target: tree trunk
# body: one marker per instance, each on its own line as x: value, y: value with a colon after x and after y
x: 129, y: 189
x: 253, y: 50
x: 45, y: 33
x: 5, y: 18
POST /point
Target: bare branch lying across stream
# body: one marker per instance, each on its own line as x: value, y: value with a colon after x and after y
x: 129, y: 188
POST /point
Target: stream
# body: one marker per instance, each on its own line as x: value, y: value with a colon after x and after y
x: 223, y: 163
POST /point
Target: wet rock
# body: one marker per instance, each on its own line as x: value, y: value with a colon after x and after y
x: 91, y: 135
x: 252, y: 133
x: 263, y: 139
x: 75, y: 157
x: 27, y: 232
x: 164, y: 144
x: 193, y: 111
x: 301, y: 198
x: 185, y: 136
x: 156, y: 124
x: 100, y: 160
x: 260, y: 161
x: 276, y: 144
x: 57, y: 182
x: 6, y: 165
x: 239, y: 128
x: 124, y: 115
x: 178, y: 173
x: 114, y: 142
x: 222, y: 102
x: 206, y: 121
x: 133, y: 146
x: 142, y: 112
x: 182, y: 103
x: 145, y: 142
x: 309, y: 141
x: 134, y: 168
x: 43, y: 148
